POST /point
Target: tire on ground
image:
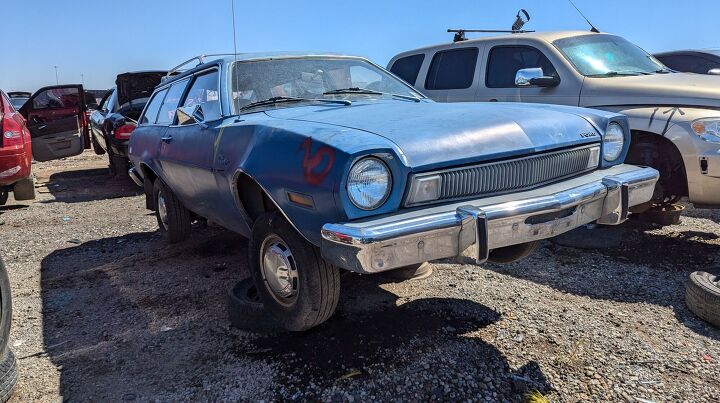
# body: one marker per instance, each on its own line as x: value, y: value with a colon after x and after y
x: 96, y: 147
x: 245, y: 309
x: 317, y: 285
x: 417, y: 271
x: 119, y: 165
x: 4, y: 197
x: 8, y: 368
x: 512, y: 253
x: 177, y: 227
x: 702, y: 295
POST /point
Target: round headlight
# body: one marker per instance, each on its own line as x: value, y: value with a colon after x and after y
x: 613, y: 142
x: 369, y: 183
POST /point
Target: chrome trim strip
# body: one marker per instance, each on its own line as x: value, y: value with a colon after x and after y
x: 381, y: 245
x: 132, y: 173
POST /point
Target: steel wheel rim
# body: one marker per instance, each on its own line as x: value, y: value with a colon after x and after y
x: 279, y: 270
x: 162, y: 210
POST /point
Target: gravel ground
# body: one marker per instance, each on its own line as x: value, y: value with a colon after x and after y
x: 105, y: 310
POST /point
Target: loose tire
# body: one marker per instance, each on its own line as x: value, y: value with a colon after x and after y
x: 8, y: 368
x: 512, y: 253
x: 702, y: 295
x: 245, y: 309
x: 172, y: 217
x: 413, y: 272
x: 295, y: 284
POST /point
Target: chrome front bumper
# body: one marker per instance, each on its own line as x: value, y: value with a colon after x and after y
x: 133, y: 174
x: 416, y: 236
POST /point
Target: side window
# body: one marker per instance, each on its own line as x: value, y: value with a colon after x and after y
x: 57, y: 98
x: 452, y: 69
x: 505, y: 61
x: 110, y: 103
x: 104, y: 101
x: 166, y: 115
x: 151, y: 111
x: 408, y: 67
x: 204, y: 92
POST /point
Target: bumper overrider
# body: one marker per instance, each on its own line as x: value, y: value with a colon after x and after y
x: 438, y: 232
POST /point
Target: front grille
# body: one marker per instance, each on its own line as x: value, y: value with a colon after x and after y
x: 513, y: 175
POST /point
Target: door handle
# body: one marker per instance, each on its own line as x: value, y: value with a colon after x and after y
x: 42, y: 127
x: 166, y: 139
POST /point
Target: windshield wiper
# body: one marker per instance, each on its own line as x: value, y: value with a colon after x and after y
x: 280, y: 100
x: 621, y: 73
x: 365, y: 91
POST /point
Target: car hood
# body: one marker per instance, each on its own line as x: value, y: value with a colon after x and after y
x: 429, y: 134
x: 131, y: 86
x: 683, y: 89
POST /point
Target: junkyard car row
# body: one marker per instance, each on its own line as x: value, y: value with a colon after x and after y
x: 328, y: 162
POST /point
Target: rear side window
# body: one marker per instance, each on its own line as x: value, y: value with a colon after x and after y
x: 166, y: 115
x: 505, y: 61
x: 452, y: 69
x: 408, y: 67
x: 204, y: 92
x: 151, y: 112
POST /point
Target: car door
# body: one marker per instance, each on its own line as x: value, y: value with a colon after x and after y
x: 452, y: 75
x: 503, y: 63
x: 187, y: 151
x: 97, y: 118
x: 57, y: 122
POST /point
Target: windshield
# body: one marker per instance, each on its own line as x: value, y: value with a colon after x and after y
x: 607, y: 55
x: 312, y: 78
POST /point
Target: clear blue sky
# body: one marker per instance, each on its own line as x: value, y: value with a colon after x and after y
x: 100, y: 40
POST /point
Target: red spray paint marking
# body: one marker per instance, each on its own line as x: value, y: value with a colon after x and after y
x: 312, y: 161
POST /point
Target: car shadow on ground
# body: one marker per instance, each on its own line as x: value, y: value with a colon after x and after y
x: 645, y: 268
x: 87, y: 185
x: 132, y: 317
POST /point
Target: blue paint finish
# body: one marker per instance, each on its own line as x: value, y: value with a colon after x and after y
x: 274, y: 148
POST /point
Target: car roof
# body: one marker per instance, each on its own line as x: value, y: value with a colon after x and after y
x: 549, y: 36
x: 249, y: 57
x: 713, y: 52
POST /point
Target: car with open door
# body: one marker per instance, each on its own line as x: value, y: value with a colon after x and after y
x: 329, y: 162
x: 112, y: 123
x: 57, y: 121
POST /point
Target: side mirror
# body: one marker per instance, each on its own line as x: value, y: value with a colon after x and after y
x: 714, y: 72
x: 189, y: 115
x: 534, y: 77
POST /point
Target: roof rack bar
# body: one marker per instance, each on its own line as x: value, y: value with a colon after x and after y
x: 199, y: 58
x: 460, y: 33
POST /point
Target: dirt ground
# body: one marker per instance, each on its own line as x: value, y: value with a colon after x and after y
x: 105, y: 309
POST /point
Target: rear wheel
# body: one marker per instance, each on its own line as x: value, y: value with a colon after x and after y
x: 119, y: 165
x: 96, y: 147
x: 4, y: 197
x: 8, y: 368
x: 295, y: 284
x: 173, y: 218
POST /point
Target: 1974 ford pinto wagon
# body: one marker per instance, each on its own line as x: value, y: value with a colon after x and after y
x: 329, y: 162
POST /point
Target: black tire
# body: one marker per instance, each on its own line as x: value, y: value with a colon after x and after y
x: 245, y: 309
x: 96, y: 147
x: 702, y: 295
x: 413, y: 272
x: 512, y: 253
x: 647, y: 150
x: 315, y: 287
x: 4, y: 197
x: 8, y: 368
x: 176, y: 225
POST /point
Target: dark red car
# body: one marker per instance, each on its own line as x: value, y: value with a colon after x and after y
x: 52, y: 124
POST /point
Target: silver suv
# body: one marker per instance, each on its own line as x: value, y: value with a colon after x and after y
x: 674, y: 117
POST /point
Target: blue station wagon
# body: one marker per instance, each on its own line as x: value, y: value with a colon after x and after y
x: 329, y: 162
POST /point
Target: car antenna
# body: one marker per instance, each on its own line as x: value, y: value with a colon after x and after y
x: 592, y: 27
x: 232, y: 6
x: 521, y: 19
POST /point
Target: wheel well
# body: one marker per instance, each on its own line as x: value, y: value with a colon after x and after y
x: 252, y: 198
x: 149, y: 177
x: 658, y: 152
